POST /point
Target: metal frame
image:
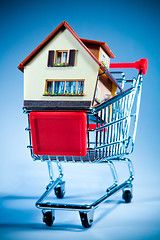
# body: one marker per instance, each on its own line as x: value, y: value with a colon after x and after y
x: 109, y: 191
x: 111, y: 140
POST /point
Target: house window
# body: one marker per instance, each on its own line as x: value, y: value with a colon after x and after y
x: 59, y: 87
x: 61, y: 58
x: 70, y: 87
x: 64, y: 87
x: 49, y: 86
x: 80, y: 87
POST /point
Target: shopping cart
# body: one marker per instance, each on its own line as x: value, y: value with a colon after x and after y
x: 110, y: 128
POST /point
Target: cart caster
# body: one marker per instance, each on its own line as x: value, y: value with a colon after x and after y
x: 60, y: 190
x: 86, y: 218
x: 127, y: 195
x: 48, y: 218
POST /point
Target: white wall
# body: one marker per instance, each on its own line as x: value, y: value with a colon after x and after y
x: 36, y: 71
x: 103, y: 92
x: 107, y: 59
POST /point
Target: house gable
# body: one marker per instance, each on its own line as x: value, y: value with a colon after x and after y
x: 61, y: 27
x: 37, y: 72
x: 64, y: 25
x: 43, y: 70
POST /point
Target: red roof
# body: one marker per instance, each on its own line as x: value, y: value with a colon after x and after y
x: 62, y: 26
x: 103, y: 45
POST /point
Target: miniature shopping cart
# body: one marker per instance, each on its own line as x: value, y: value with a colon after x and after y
x: 102, y: 134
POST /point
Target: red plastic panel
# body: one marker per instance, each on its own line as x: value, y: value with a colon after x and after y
x: 94, y: 126
x: 58, y: 133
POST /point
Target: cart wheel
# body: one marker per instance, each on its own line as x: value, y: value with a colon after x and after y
x: 60, y: 190
x: 48, y: 218
x: 127, y: 195
x: 86, y: 218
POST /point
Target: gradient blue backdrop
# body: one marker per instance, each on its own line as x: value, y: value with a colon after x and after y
x: 130, y: 28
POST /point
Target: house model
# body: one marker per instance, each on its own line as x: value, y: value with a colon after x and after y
x: 65, y: 71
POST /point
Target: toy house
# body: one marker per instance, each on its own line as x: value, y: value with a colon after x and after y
x: 65, y: 71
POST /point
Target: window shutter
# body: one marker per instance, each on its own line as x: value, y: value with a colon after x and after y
x: 50, y: 58
x: 72, y: 57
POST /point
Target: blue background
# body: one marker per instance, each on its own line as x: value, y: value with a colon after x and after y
x: 131, y: 30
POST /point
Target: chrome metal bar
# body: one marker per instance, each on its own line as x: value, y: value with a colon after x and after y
x: 112, y: 100
x: 49, y: 188
x: 88, y: 136
x: 108, y: 194
x: 139, y: 90
x: 130, y: 166
x: 50, y: 169
x: 85, y: 207
x: 52, y: 184
x: 114, y: 175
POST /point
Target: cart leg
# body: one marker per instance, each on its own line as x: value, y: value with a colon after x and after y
x: 50, y: 170
x: 87, y: 218
x: 127, y: 191
x: 127, y: 185
x: 130, y: 167
x: 59, y: 190
x: 114, y: 174
x: 53, y: 184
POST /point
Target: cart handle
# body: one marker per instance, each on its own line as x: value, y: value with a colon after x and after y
x: 141, y: 65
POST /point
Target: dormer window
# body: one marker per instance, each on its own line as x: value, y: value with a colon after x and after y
x: 61, y: 58
x: 103, y: 60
